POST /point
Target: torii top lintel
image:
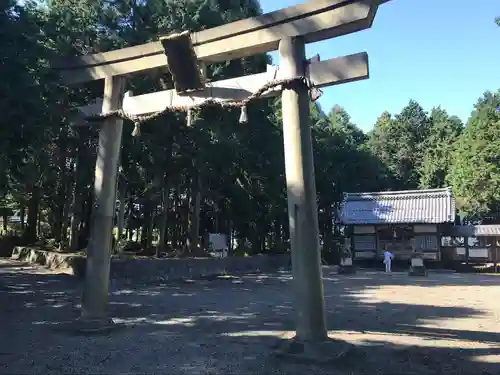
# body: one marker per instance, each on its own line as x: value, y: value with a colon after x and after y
x: 314, y: 21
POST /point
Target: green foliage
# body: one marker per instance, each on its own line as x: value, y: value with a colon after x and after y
x: 475, y: 170
x: 47, y: 167
x: 399, y: 141
x: 439, y: 146
x: 341, y: 120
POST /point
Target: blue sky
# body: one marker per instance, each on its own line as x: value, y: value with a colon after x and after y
x: 438, y: 52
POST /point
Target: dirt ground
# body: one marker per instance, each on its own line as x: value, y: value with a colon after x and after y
x: 442, y: 324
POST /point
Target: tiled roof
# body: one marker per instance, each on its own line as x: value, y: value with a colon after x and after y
x: 430, y: 206
x: 475, y: 231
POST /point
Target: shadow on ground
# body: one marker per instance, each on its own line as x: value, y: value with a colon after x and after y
x: 232, y: 325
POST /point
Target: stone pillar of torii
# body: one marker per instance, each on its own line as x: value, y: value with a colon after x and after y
x: 286, y: 30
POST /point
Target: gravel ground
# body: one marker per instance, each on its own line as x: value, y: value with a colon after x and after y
x: 442, y: 324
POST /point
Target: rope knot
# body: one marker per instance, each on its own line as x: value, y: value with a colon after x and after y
x: 244, y: 115
x: 137, y: 129
x: 280, y: 84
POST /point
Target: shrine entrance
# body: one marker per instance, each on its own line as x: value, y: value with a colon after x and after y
x: 297, y: 79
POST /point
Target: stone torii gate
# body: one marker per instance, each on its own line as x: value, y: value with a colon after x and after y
x: 286, y: 30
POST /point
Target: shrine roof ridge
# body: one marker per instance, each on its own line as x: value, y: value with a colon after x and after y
x: 399, y: 194
x: 426, y: 206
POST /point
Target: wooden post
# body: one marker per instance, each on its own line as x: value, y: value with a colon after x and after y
x: 466, y: 246
x: 301, y: 191
x: 95, y: 293
x: 494, y: 247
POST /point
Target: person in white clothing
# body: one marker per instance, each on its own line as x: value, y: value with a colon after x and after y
x: 387, y: 260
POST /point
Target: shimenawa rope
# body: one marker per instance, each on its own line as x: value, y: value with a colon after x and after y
x: 288, y: 83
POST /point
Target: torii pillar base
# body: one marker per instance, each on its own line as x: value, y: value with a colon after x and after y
x: 95, y: 326
x: 306, y: 352
x: 89, y: 326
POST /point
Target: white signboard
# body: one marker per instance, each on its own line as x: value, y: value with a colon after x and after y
x: 473, y: 253
x: 478, y: 253
x: 217, y: 241
x: 218, y: 244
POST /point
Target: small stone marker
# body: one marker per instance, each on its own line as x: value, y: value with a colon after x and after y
x: 417, y: 262
x: 417, y: 267
x: 346, y: 266
x: 308, y: 352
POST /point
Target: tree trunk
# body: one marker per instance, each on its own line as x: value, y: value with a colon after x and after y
x: 217, y: 213
x: 162, y: 225
x: 151, y: 226
x: 147, y: 225
x: 57, y: 220
x: 64, y: 226
x: 22, y: 217
x: 39, y: 223
x: 68, y: 206
x: 33, y: 205
x: 76, y: 193
x: 193, y: 237
x: 175, y: 222
x: 65, y: 219
x: 231, y: 237
x: 328, y: 232
x: 84, y: 233
x: 276, y: 235
x: 122, y: 197
x: 130, y: 212
x: 57, y: 230
x: 64, y: 182
x: 144, y: 223
x: 74, y: 223
x: 5, y: 218
x: 285, y: 232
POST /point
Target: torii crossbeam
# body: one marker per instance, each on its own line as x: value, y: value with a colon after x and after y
x: 313, y: 21
x: 286, y: 30
x: 322, y: 73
